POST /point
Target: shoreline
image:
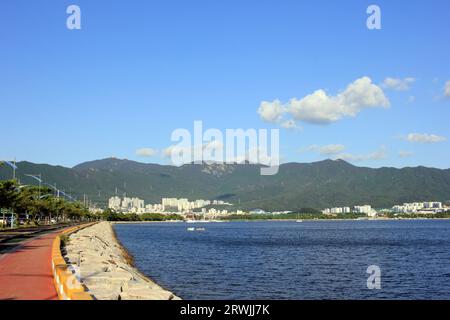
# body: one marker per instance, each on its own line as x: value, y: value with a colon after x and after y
x: 106, y: 268
x: 130, y: 260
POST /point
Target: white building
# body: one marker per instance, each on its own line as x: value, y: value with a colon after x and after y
x: 336, y: 210
x: 169, y: 203
x: 183, y: 205
x: 365, y: 209
x: 362, y: 209
x: 114, y: 203
x: 154, y: 208
x: 419, y: 207
x: 128, y: 205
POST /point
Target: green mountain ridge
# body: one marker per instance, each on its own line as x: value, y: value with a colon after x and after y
x: 297, y: 185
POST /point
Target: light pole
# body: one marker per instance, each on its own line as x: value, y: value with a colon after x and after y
x: 58, y: 192
x: 37, y: 177
x: 12, y: 164
x: 53, y: 187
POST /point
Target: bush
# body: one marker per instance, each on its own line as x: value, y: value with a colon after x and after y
x: 160, y: 217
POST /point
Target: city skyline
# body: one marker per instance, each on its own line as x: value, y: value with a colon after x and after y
x: 168, y: 205
x: 134, y: 205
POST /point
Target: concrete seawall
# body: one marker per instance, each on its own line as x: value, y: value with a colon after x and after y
x: 103, y: 267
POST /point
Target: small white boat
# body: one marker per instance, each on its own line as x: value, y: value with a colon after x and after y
x: 299, y: 221
x: 195, y: 229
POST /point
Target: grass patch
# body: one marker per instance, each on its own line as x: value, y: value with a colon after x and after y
x: 65, y: 239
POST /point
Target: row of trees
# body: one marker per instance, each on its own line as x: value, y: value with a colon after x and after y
x: 111, y: 215
x: 39, y: 205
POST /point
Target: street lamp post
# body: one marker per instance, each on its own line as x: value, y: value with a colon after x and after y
x: 12, y: 164
x: 4, y: 218
x: 37, y: 177
x: 12, y: 219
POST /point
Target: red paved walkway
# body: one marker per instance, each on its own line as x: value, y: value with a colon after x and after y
x: 25, y: 273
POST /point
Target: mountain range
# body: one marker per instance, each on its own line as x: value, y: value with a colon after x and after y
x: 317, y: 185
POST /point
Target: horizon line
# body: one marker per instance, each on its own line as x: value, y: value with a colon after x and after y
x: 208, y: 162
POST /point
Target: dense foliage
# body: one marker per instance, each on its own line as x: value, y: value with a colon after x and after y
x: 439, y: 215
x: 111, y: 215
x: 39, y: 205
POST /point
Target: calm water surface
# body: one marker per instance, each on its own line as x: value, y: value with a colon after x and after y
x: 289, y: 260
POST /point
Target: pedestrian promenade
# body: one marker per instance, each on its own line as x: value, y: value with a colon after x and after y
x: 25, y: 272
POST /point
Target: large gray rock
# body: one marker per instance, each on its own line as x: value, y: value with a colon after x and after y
x: 102, y: 267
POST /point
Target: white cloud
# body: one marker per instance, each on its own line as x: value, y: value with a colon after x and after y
x: 405, y: 154
x: 336, y: 151
x: 289, y: 124
x: 398, y: 84
x: 379, y: 154
x: 424, y: 138
x: 326, y: 150
x: 271, y: 111
x: 146, y: 152
x: 167, y: 152
x: 321, y: 108
x: 447, y: 89
x: 207, y: 150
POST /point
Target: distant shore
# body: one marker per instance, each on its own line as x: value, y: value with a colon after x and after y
x: 139, y: 222
x: 281, y: 220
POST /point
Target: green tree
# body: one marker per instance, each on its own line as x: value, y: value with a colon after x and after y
x: 40, y: 204
x: 8, y: 194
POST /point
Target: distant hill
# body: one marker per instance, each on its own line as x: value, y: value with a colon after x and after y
x: 297, y: 185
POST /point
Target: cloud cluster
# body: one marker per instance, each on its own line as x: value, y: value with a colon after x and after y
x: 336, y: 151
x: 327, y: 150
x: 271, y: 111
x: 321, y: 108
x: 398, y: 84
x: 208, y: 147
x: 146, y: 152
x: 405, y: 154
x: 424, y: 138
x: 379, y: 154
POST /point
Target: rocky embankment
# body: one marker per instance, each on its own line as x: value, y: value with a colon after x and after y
x: 103, y: 267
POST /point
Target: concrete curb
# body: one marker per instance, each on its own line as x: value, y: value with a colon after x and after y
x: 67, y: 285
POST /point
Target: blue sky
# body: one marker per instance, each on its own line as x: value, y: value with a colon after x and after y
x: 137, y: 70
